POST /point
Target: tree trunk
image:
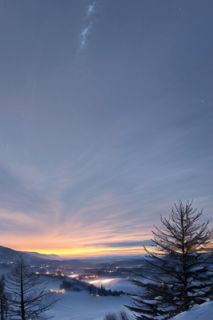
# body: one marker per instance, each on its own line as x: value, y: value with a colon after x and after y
x: 2, y: 310
x: 22, y: 297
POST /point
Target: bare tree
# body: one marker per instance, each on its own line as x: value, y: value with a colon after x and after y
x: 179, y: 273
x: 28, y: 298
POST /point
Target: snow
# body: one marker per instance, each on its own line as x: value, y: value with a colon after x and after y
x: 201, y: 312
x: 82, y: 306
x: 116, y: 284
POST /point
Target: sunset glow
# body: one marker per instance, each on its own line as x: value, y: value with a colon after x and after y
x: 90, y: 252
x: 105, y: 122
x: 106, y: 159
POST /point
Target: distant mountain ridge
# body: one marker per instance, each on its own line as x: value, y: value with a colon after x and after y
x: 8, y: 255
x: 43, y: 256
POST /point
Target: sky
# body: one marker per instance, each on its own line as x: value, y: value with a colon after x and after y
x: 106, y: 120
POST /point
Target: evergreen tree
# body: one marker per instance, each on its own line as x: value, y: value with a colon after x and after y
x: 179, y: 274
x: 28, y: 299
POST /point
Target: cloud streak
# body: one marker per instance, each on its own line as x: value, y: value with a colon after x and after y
x: 129, y: 244
x: 91, y: 9
x: 86, y: 29
x: 84, y: 36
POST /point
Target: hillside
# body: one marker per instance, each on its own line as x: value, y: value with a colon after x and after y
x: 8, y: 255
x: 201, y: 312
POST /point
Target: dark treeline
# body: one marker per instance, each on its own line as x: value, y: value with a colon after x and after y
x: 76, y: 285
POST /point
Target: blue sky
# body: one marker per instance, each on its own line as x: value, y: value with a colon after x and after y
x: 106, y: 118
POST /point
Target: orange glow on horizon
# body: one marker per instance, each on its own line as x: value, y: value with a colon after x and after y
x: 89, y: 251
x: 98, y: 251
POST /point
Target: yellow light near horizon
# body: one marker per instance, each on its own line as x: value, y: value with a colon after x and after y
x: 89, y: 251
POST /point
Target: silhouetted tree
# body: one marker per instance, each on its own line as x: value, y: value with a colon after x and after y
x: 28, y: 299
x: 3, y: 300
x: 179, y: 274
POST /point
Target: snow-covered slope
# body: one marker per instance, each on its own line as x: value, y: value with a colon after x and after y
x: 201, y: 312
x: 82, y: 306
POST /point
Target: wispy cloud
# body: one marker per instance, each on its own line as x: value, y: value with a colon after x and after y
x: 91, y: 9
x: 132, y: 243
x: 87, y: 27
x: 84, y: 36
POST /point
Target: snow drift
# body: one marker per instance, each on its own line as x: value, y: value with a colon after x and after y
x: 201, y: 312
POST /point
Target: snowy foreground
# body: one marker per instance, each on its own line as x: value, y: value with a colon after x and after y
x: 82, y: 306
x: 201, y: 312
